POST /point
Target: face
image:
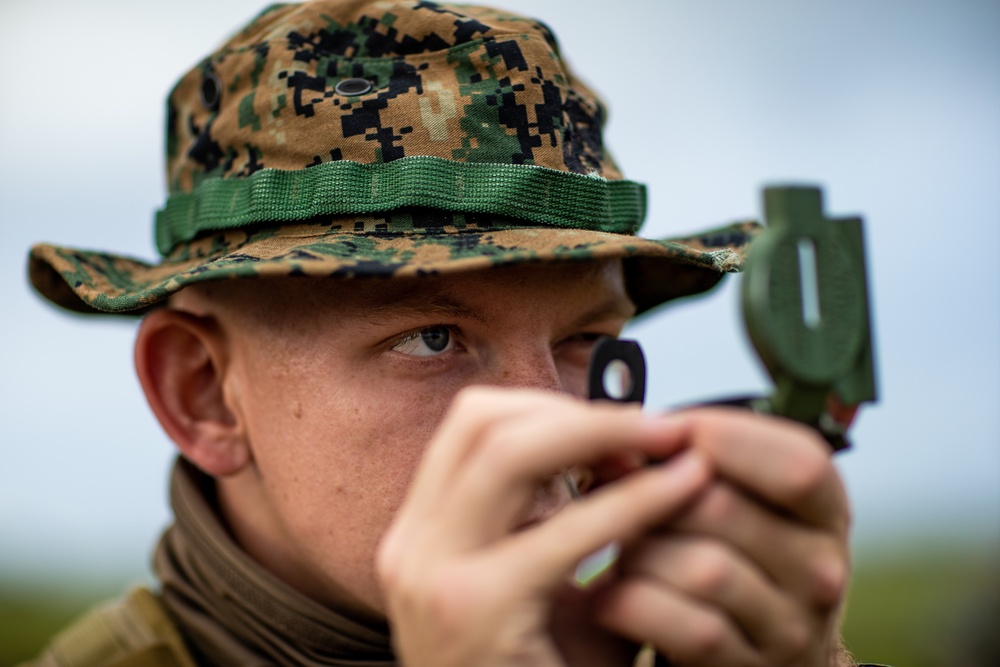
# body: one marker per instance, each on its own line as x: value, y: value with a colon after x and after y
x: 341, y: 385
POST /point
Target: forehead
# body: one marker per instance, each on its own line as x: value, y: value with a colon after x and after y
x: 552, y: 287
x: 581, y: 280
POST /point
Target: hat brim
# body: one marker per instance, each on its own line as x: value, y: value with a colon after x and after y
x: 656, y: 270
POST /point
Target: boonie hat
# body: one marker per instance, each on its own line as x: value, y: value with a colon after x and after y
x: 360, y: 139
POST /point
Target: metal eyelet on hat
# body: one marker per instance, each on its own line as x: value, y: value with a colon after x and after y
x: 352, y: 87
x: 210, y: 91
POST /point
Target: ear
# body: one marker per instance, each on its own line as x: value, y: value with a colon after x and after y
x: 182, y: 361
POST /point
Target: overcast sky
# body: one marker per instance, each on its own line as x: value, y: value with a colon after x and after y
x: 893, y: 106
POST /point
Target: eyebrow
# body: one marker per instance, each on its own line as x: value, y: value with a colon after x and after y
x: 612, y: 307
x: 418, y: 303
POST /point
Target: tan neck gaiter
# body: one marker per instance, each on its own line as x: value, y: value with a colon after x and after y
x: 232, y: 611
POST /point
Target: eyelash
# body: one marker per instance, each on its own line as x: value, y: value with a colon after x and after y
x: 453, y: 331
x: 586, y: 337
x: 589, y: 335
x: 456, y: 333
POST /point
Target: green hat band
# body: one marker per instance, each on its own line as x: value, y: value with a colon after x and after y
x: 398, y: 138
x: 535, y: 194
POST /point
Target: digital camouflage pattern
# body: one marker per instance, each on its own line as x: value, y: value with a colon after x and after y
x: 389, y: 138
x: 408, y: 243
x: 468, y: 84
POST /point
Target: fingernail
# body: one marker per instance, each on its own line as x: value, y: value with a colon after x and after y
x: 666, y: 433
x: 661, y: 422
x: 687, y: 465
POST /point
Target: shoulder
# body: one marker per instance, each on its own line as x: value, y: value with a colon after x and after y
x: 130, y: 632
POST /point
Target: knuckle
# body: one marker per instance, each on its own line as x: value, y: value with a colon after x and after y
x: 811, y: 473
x: 796, y: 638
x: 391, y: 562
x: 828, y: 576
x: 711, y: 571
x: 707, y: 637
x: 720, y: 505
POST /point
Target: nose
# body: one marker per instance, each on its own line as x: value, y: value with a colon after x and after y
x: 527, y: 367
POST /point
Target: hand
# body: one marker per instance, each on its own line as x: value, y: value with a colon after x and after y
x: 476, y: 567
x: 754, y: 572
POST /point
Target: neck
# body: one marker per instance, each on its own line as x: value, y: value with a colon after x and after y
x: 233, y: 611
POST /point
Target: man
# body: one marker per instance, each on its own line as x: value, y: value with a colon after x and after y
x: 392, y: 238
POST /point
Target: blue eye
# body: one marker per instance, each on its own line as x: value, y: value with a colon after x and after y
x: 436, y: 338
x: 426, y: 342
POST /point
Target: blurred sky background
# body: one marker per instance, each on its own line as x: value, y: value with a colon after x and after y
x: 892, y: 105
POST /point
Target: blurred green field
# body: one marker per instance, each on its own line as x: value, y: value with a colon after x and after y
x: 26, y: 622
x: 916, y: 607
x: 926, y: 607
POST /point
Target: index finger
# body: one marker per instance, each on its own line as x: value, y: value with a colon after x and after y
x: 782, y: 462
x: 486, y: 466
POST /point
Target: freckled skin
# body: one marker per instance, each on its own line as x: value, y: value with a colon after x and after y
x: 336, y: 420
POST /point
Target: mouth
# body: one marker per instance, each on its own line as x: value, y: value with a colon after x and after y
x: 577, y: 480
x: 556, y: 493
x: 571, y: 485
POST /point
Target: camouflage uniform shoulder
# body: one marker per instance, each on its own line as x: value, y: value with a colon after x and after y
x: 130, y: 632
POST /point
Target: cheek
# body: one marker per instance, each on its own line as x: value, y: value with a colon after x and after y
x: 336, y: 459
x: 337, y: 446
